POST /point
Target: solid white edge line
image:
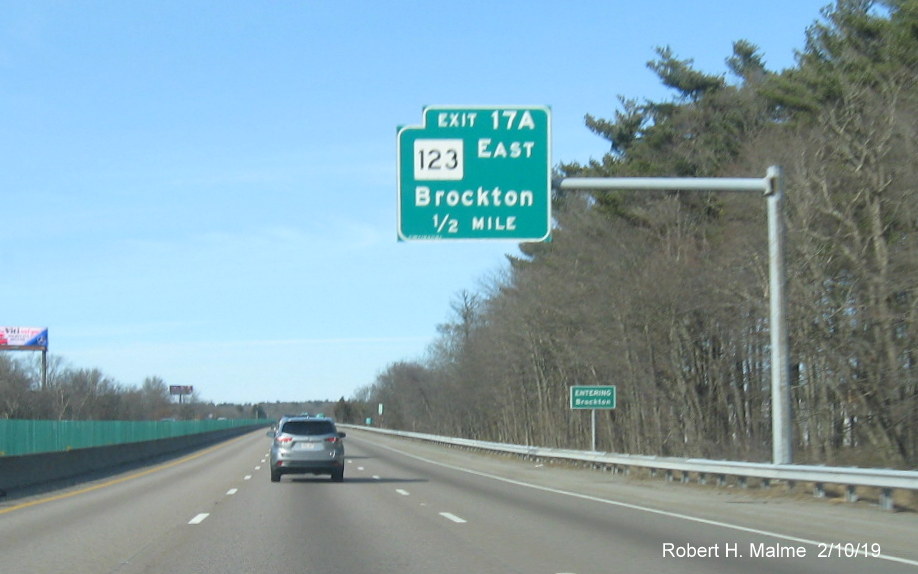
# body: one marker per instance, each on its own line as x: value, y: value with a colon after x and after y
x: 638, y: 507
x: 199, y: 518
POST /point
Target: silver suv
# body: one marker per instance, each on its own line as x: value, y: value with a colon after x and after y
x: 307, y: 445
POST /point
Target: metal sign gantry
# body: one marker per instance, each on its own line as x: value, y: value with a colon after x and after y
x: 772, y: 187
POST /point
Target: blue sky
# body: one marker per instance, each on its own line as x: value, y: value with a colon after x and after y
x: 206, y: 191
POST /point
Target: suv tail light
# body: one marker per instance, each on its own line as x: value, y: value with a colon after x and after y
x: 332, y: 439
x: 284, y: 440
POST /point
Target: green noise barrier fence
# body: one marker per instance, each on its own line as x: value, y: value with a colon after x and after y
x: 19, y: 437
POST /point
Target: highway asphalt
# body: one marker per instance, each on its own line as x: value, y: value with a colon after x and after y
x: 410, y: 508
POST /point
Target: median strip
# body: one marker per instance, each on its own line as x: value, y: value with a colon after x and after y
x: 118, y: 480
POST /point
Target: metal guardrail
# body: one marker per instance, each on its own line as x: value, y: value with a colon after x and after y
x: 886, y: 480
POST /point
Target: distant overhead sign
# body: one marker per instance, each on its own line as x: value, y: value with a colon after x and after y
x: 180, y: 389
x: 476, y: 173
x: 23, y: 338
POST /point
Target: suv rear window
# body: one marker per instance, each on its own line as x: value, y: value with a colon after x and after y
x: 309, y: 428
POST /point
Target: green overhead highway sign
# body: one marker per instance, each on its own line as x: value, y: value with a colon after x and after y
x: 476, y: 173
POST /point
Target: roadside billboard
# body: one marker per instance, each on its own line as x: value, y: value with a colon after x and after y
x: 23, y: 338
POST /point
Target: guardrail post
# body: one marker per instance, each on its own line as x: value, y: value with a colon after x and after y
x: 851, y: 493
x: 886, y: 499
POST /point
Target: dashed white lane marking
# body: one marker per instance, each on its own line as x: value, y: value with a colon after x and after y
x: 649, y: 510
x: 257, y: 468
x: 247, y: 477
x: 452, y: 517
x: 359, y: 468
x: 377, y: 477
x: 402, y: 492
x: 232, y: 491
x: 199, y: 518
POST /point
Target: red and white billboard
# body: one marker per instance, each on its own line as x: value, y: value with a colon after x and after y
x: 23, y: 338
